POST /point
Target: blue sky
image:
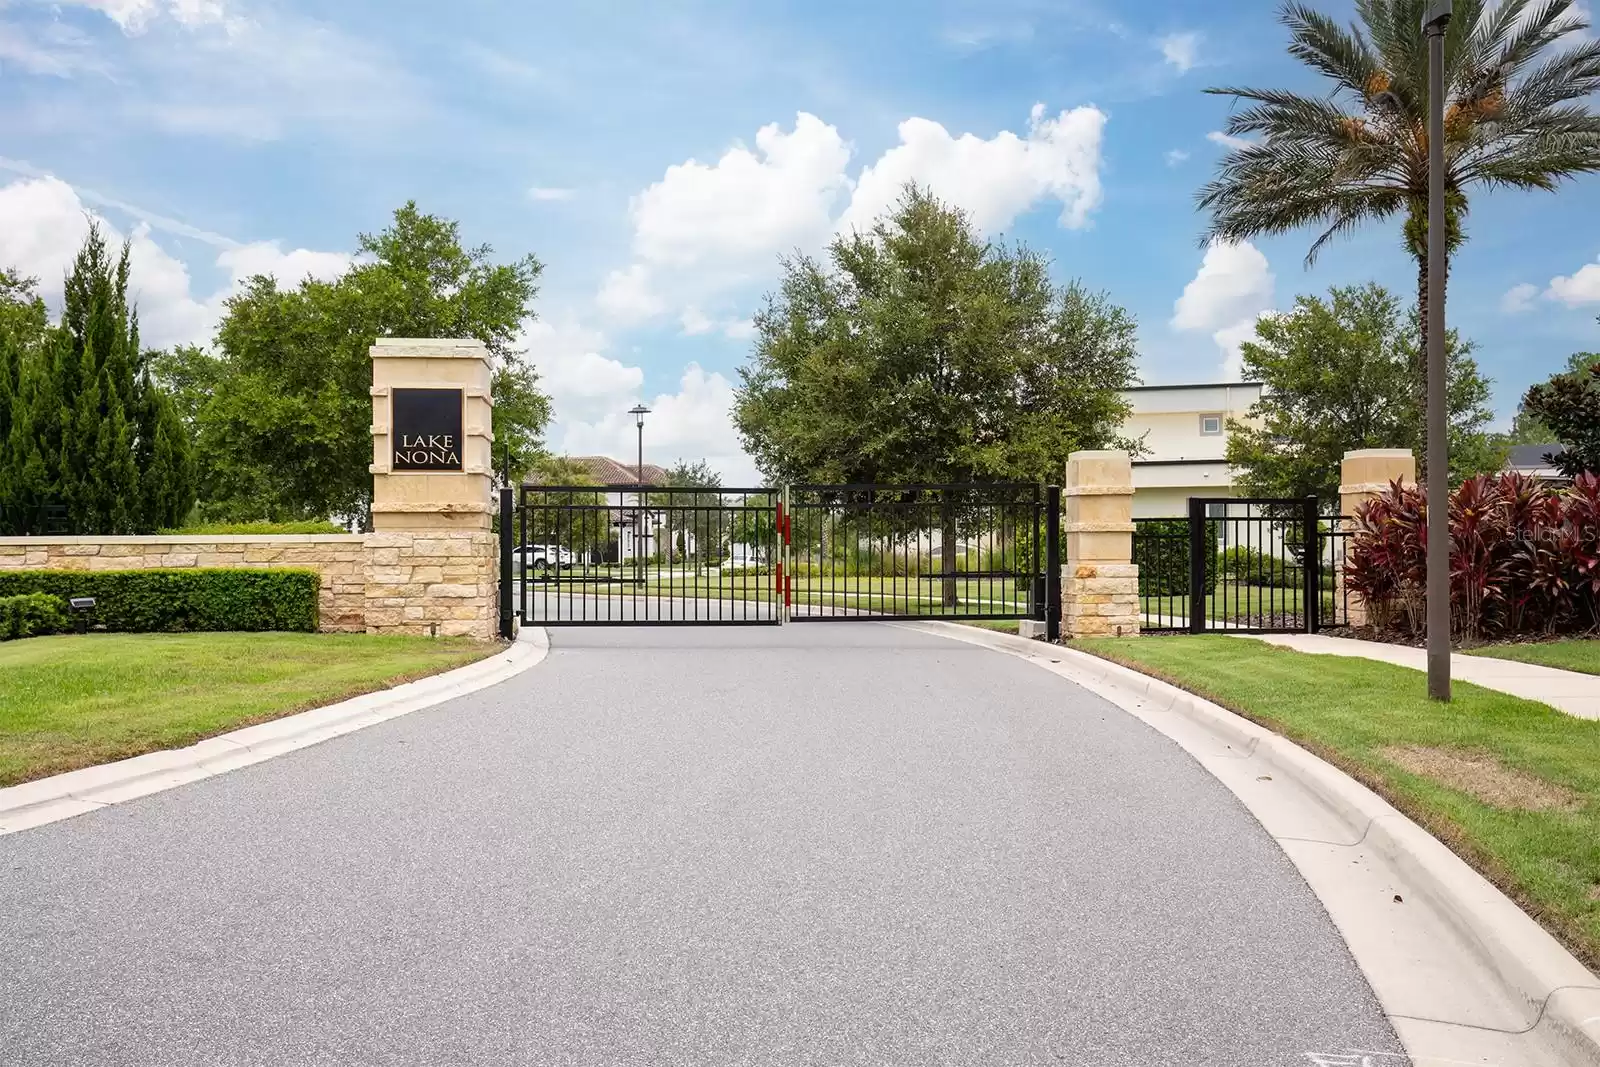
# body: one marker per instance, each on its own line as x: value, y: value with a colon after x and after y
x: 658, y: 158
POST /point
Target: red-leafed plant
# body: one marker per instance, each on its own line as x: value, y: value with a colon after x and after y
x: 1524, y: 558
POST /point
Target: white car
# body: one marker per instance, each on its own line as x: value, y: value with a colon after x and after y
x: 543, y: 558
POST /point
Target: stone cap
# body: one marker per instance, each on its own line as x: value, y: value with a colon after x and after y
x: 1378, y: 453
x: 429, y: 348
x: 159, y: 540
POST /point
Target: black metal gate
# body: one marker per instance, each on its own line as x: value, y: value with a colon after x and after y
x: 629, y: 555
x: 626, y: 555
x: 976, y: 551
x: 1241, y: 565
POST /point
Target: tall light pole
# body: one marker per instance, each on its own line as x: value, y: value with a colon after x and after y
x: 1434, y: 21
x: 639, y: 411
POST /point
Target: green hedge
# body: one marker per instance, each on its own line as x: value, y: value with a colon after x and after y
x: 32, y: 615
x: 1161, y: 549
x: 175, y: 601
x: 1249, y: 566
x: 261, y: 528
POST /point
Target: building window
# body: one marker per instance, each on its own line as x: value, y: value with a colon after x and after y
x: 1210, y: 425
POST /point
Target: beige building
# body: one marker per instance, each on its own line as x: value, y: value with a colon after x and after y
x: 1185, y: 433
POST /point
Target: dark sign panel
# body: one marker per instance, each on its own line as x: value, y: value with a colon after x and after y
x: 427, y: 430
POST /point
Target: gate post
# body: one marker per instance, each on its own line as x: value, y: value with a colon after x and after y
x: 1099, y: 583
x: 1311, y: 571
x: 508, y: 628
x: 1199, y: 552
x: 1052, y: 563
x: 431, y: 558
x: 1363, y: 474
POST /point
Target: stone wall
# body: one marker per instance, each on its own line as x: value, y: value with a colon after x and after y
x: 417, y: 581
x: 378, y: 583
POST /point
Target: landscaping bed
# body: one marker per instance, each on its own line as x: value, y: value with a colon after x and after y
x: 75, y: 701
x: 1511, y: 785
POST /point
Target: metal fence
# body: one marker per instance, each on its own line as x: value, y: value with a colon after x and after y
x: 1242, y: 566
x: 643, y: 556
x: 964, y: 551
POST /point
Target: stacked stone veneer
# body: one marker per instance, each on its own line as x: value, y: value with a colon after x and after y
x: 1099, y: 581
x: 416, y: 581
x: 378, y: 583
x: 1364, y: 474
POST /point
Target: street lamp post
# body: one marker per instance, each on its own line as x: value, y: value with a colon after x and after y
x: 639, y: 411
x: 1434, y: 21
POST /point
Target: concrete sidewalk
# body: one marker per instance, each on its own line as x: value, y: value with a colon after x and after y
x: 1575, y: 694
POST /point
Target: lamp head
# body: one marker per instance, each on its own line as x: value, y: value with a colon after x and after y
x: 1436, y: 16
x: 639, y: 411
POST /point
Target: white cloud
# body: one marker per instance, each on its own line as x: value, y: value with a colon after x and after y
x: 135, y: 16
x: 289, y: 268
x: 1230, y: 338
x: 692, y: 423
x: 1175, y: 156
x: 43, y: 222
x: 994, y: 179
x: 1181, y: 50
x: 1232, y: 289
x: 583, y: 383
x: 592, y: 392
x: 747, y: 203
x: 1228, y: 140
x: 56, y: 50
x: 1580, y: 287
x: 1518, y: 298
x: 694, y: 321
x: 705, y: 228
x: 239, y: 69
x: 545, y: 192
x: 629, y: 296
x: 1234, y: 280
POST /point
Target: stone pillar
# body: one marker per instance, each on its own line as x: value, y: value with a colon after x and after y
x: 431, y: 561
x: 1363, y: 474
x: 1099, y: 582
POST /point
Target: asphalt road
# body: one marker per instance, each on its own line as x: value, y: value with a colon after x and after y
x: 826, y: 844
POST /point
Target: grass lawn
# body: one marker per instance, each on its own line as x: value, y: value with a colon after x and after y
x: 1232, y: 601
x: 1581, y: 654
x: 1513, y: 786
x: 866, y: 593
x: 75, y: 701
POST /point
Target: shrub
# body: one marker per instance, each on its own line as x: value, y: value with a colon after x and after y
x: 32, y: 615
x: 1250, y: 566
x: 259, y: 528
x: 173, y: 601
x: 1161, y: 549
x: 1524, y: 558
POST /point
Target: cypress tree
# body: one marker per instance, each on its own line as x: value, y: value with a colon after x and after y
x: 84, y: 425
x: 28, y: 482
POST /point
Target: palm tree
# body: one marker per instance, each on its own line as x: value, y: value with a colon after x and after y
x: 1516, y: 73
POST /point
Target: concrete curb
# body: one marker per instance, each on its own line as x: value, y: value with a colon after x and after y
x: 1558, y: 997
x: 63, y: 796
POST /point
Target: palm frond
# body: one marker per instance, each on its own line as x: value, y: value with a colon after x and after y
x: 1336, y: 162
x: 1539, y: 27
x: 1322, y: 44
x: 1351, y: 214
x: 1570, y: 74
